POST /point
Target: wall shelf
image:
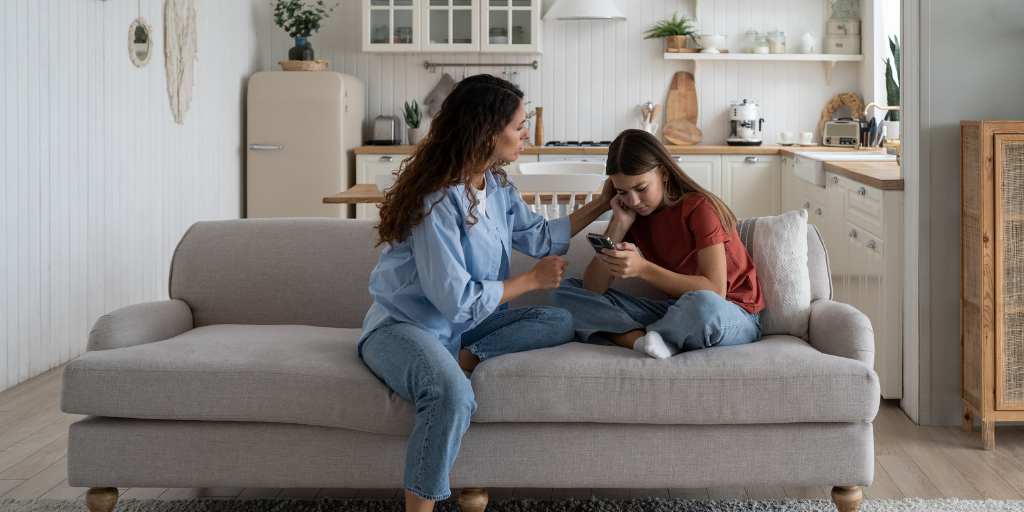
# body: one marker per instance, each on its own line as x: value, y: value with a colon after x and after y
x: 827, y: 59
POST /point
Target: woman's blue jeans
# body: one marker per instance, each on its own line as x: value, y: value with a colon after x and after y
x: 416, y: 364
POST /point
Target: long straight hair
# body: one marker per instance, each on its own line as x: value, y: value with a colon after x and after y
x: 635, y: 152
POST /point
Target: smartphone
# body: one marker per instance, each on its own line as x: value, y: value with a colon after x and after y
x: 600, y: 241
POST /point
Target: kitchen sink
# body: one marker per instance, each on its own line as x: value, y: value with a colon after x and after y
x: 810, y: 165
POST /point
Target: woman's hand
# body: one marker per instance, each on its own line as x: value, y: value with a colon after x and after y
x: 621, y: 213
x: 625, y: 261
x: 547, y: 273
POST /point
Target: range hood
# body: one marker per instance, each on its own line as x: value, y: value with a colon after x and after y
x: 584, y: 10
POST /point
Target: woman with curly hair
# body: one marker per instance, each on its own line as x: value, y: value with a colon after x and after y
x: 442, y: 284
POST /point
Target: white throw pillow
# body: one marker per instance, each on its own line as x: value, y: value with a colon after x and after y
x: 780, y: 255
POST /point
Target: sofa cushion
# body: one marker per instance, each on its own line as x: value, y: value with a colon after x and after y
x: 275, y: 373
x: 780, y: 379
x: 778, y: 245
x: 312, y: 376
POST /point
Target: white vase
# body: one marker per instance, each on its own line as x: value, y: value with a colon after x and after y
x: 416, y: 135
x: 892, y: 130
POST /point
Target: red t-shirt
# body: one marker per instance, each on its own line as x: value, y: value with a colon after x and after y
x: 672, y: 237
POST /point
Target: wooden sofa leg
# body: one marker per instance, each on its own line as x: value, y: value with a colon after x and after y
x: 988, y: 434
x: 847, y: 499
x: 473, y: 500
x: 101, y: 499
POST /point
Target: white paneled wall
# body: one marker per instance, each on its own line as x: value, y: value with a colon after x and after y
x: 97, y: 182
x: 593, y: 75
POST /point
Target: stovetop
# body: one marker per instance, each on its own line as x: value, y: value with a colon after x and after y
x: 578, y: 144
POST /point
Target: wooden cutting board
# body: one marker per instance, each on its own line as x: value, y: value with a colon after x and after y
x: 681, y: 111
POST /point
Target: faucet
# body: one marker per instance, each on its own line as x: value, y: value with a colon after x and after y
x: 867, y: 109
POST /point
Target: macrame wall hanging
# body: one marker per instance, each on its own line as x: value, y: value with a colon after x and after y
x: 180, y: 54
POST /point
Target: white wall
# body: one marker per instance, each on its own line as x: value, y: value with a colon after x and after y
x: 97, y: 181
x: 593, y: 75
x: 968, y: 70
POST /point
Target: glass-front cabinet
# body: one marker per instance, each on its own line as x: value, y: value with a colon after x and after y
x: 451, y: 26
x: 391, y: 25
x: 509, y: 26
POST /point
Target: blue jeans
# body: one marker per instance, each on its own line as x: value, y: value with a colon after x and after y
x: 415, y: 364
x: 696, y: 320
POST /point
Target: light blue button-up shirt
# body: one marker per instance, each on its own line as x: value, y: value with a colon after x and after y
x: 446, y: 277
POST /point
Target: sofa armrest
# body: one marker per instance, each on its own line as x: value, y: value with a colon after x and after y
x: 140, y: 323
x: 842, y: 330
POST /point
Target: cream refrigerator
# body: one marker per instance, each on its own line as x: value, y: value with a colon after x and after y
x: 301, y: 128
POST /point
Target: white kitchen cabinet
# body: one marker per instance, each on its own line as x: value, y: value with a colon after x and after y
x: 864, y: 238
x: 488, y: 26
x: 511, y: 26
x: 751, y: 185
x: 706, y: 170
x: 451, y: 25
x: 391, y: 25
x: 368, y: 168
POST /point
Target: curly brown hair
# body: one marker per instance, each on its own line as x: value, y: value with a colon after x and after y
x: 460, y: 143
x: 636, y: 152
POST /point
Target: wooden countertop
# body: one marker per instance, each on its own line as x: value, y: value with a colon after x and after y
x: 698, y: 149
x: 368, y: 193
x: 880, y: 175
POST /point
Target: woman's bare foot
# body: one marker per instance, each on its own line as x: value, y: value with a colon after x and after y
x: 414, y: 503
x: 468, y: 361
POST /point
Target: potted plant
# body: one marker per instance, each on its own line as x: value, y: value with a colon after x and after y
x: 413, y: 118
x: 675, y: 31
x: 301, y: 20
x: 892, y: 89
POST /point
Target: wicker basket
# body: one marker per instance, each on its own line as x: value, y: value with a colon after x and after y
x: 303, y: 65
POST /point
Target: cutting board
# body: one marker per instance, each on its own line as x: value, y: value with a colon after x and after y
x: 681, y: 111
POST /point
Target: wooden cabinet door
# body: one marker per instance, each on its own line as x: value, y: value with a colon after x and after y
x: 706, y: 170
x: 368, y: 169
x: 451, y: 26
x: 1009, y: 271
x: 391, y: 25
x: 510, y: 26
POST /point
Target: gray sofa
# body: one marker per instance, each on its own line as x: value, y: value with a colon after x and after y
x: 248, y: 377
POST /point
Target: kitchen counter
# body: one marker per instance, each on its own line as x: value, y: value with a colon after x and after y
x: 698, y: 149
x: 880, y: 175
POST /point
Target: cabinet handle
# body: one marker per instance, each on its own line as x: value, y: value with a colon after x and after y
x: 853, y: 233
x: 751, y: 159
x: 266, y: 147
x: 871, y: 244
x: 387, y: 159
x: 818, y: 211
x: 678, y: 159
x: 862, y: 191
x: 807, y: 206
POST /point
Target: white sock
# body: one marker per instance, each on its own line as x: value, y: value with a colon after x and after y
x: 653, y: 345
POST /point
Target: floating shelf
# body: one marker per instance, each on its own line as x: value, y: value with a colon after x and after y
x: 827, y: 59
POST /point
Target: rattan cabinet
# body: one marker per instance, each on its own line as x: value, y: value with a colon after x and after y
x: 992, y: 273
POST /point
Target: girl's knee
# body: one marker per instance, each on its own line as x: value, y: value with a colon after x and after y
x: 559, y: 321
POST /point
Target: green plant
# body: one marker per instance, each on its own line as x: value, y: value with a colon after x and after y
x: 300, y: 19
x: 676, y: 26
x: 412, y: 115
x: 892, y: 78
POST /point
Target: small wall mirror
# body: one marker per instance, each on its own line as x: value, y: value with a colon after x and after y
x: 140, y: 42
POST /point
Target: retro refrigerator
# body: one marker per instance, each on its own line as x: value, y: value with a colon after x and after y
x: 301, y: 128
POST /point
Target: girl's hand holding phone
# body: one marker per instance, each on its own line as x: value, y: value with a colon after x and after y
x: 623, y: 262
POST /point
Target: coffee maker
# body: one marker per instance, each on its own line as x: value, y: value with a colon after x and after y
x: 746, y: 124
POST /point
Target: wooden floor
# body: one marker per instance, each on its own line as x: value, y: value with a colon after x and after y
x: 910, y: 461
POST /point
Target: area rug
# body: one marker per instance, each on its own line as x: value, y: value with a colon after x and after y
x: 519, y: 505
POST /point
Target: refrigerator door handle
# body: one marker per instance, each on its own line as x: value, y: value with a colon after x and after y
x: 266, y: 147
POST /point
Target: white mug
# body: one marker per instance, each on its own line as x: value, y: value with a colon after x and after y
x: 806, y: 138
x: 786, y: 137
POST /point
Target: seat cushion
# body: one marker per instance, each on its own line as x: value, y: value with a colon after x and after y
x: 780, y: 379
x: 313, y: 376
x: 273, y: 373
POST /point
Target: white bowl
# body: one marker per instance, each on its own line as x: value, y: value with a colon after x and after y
x: 711, y: 42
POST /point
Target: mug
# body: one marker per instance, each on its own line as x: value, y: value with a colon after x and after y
x: 806, y: 138
x: 786, y: 138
